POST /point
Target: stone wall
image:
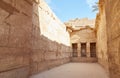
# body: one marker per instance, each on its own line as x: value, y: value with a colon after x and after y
x: 101, y: 33
x: 85, y: 34
x: 113, y: 31
x: 15, y: 38
x: 32, y: 39
x: 51, y: 43
x: 109, y: 36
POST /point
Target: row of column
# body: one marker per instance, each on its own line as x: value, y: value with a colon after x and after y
x: 87, y: 49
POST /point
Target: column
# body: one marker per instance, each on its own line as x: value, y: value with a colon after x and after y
x: 88, y: 49
x: 79, y: 48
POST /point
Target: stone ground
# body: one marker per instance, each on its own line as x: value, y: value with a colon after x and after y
x: 74, y: 70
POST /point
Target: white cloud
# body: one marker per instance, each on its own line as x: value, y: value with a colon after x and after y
x: 91, y: 2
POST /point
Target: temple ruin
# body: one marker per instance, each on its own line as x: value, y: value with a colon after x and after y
x: 33, y: 39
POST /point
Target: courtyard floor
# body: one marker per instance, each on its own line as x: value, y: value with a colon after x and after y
x: 74, y: 70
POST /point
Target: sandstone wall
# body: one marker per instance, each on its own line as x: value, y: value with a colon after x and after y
x: 102, y: 37
x: 113, y: 31
x: 51, y: 43
x: 32, y: 39
x: 15, y: 38
x: 108, y: 36
x: 83, y: 35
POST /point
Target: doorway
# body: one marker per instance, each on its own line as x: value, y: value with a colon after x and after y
x: 93, y: 49
x: 83, y: 49
x: 74, y: 48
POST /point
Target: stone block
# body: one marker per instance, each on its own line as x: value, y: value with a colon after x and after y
x: 36, y: 9
x: 36, y: 20
x: 38, y: 55
x: 10, y: 2
x: 20, y: 31
x: 50, y: 55
x: 13, y: 58
x: 42, y: 66
x: 24, y: 7
x: 33, y: 68
x: 16, y: 73
x: 4, y: 34
x: 3, y: 15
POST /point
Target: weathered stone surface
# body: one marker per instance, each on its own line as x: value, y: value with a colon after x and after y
x: 101, y: 32
x: 3, y: 15
x: 108, y: 36
x: 4, y: 34
x: 113, y: 37
x: 50, y: 39
x: 77, y: 23
x: 31, y: 36
x: 16, y: 73
x: 15, y: 39
x: 13, y: 58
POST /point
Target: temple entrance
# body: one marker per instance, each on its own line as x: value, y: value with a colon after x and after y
x: 74, y: 48
x: 83, y: 49
x: 93, y: 49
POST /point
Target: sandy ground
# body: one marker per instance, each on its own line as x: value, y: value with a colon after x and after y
x: 74, y: 70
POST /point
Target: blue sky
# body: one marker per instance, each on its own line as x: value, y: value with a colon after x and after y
x: 70, y: 9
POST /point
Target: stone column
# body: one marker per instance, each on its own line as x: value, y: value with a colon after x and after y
x: 79, y: 48
x: 88, y: 49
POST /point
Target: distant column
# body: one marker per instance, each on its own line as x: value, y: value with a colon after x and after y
x: 88, y: 49
x: 79, y: 48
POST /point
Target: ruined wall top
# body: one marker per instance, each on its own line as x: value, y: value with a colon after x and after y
x: 80, y: 23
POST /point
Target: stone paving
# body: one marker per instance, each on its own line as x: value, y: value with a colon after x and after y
x: 74, y: 70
